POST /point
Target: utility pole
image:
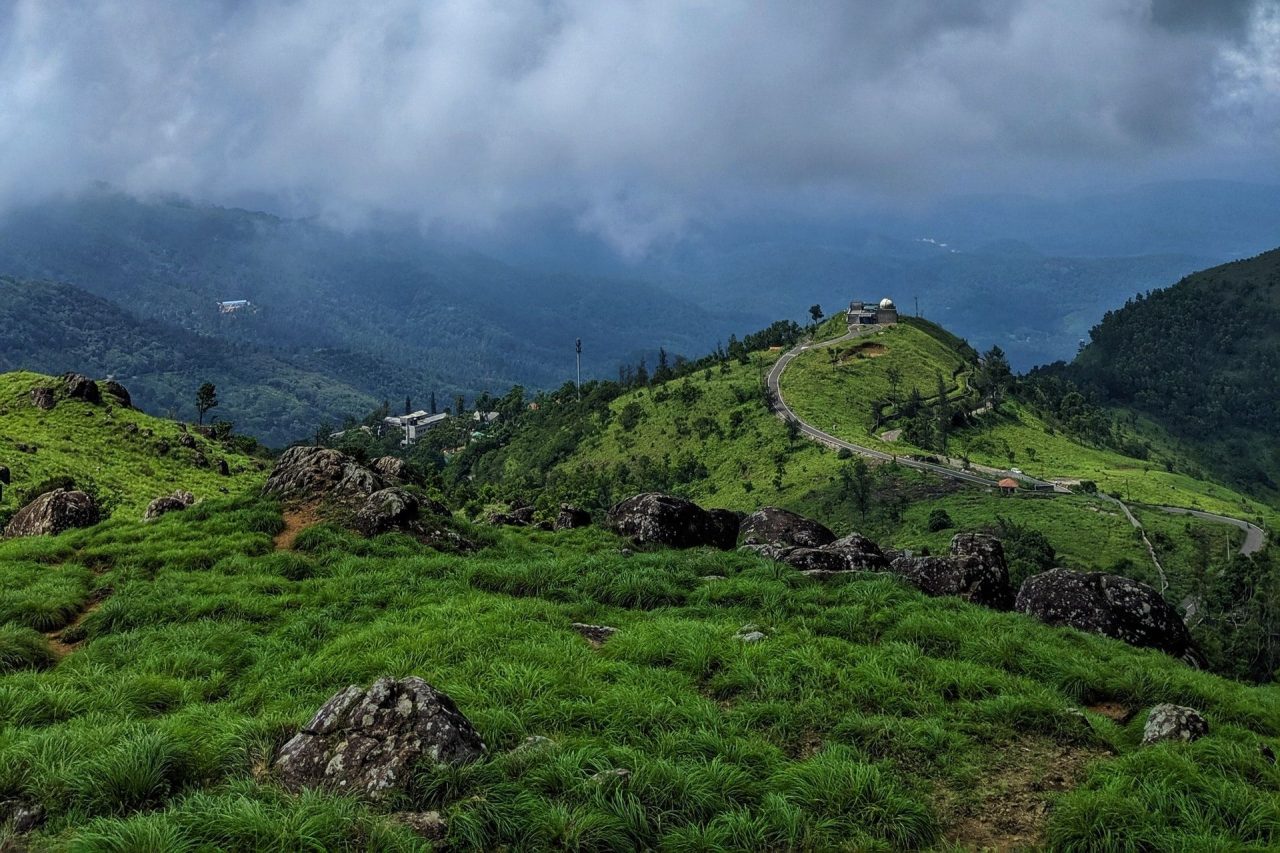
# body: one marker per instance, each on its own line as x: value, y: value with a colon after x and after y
x: 917, y: 306
x: 578, y: 351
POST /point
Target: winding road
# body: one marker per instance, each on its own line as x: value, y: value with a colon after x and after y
x: 1255, y: 537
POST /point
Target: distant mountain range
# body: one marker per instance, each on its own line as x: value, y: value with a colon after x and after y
x: 343, y: 320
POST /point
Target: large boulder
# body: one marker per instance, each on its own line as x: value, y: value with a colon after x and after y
x: 1110, y: 605
x: 963, y: 577
x: 1173, y: 722
x: 367, y: 742
x: 571, y: 517
x: 81, y: 387
x: 319, y: 473
x: 724, y: 527
x: 773, y: 525
x: 5, y: 476
x: 657, y: 519
x: 52, y: 513
x: 118, y: 393
x: 175, y: 502
x: 42, y: 398
x: 386, y: 509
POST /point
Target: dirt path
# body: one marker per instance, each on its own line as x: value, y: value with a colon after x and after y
x: 58, y: 642
x: 296, y: 520
x: 1151, y: 549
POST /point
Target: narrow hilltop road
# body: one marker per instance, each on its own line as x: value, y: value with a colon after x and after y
x: 1255, y: 537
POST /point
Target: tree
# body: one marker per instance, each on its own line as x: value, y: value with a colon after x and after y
x: 815, y: 311
x: 894, y: 375
x: 939, y: 519
x: 206, y: 399
x: 856, y: 479
x: 663, y: 371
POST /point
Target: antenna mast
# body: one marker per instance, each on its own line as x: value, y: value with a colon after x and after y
x: 578, y: 351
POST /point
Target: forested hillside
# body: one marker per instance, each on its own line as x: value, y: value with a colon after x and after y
x: 1202, y: 358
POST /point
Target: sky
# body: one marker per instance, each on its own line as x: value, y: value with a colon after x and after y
x: 639, y: 117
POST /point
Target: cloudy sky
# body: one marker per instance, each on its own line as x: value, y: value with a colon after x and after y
x: 637, y: 116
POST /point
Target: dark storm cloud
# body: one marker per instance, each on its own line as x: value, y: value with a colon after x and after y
x: 637, y: 115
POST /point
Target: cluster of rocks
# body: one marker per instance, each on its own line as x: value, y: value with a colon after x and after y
x: 519, y: 514
x: 372, y: 499
x: 77, y: 386
x: 974, y: 570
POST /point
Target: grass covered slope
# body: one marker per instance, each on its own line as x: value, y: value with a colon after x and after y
x: 108, y: 450
x: 836, y: 387
x: 869, y: 717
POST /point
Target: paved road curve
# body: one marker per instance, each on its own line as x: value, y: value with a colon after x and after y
x: 1255, y: 537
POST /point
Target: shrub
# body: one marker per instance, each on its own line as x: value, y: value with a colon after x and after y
x: 940, y: 520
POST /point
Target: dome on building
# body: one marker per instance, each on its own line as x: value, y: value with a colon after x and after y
x: 886, y: 303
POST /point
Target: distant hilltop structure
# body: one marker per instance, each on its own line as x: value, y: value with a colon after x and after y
x: 235, y: 306
x: 883, y: 313
x: 413, y: 425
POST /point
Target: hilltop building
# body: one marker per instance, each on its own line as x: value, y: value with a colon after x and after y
x: 883, y: 313
x: 413, y: 425
x: 234, y: 306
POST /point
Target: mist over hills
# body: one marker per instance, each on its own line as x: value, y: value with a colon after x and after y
x: 344, y: 319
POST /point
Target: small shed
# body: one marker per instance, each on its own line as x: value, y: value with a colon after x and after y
x: 1008, y: 486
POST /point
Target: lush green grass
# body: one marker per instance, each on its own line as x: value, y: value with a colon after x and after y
x: 110, y: 451
x: 869, y: 718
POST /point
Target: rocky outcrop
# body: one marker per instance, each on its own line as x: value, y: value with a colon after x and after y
x: 175, y: 502
x: 772, y: 525
x: 517, y: 515
x: 118, y: 393
x: 393, y: 470
x: 20, y: 816
x: 5, y: 476
x: 385, y: 510
x: 975, y: 571
x: 1173, y: 722
x: 81, y: 387
x: 571, y: 517
x: 596, y: 635
x: 367, y: 742
x: 52, y: 513
x: 656, y: 519
x: 319, y: 473
x: 42, y: 398
x: 1110, y: 605
x: 852, y: 553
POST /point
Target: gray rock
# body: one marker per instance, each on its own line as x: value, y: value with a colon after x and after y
x: 1173, y: 722
x: 656, y: 519
x: 223, y: 468
x: 595, y: 634
x: 393, y: 470
x: 429, y: 825
x: 571, y: 517
x: 5, y: 476
x: 386, y: 509
x: 52, y: 513
x: 750, y: 634
x: 320, y: 473
x: 42, y: 398
x: 175, y: 502
x: 187, y: 440
x: 1109, y: 605
x: 367, y: 742
x: 118, y: 393
x: 772, y: 525
x: 725, y: 524
x: 963, y: 577
x: 22, y: 816
x: 81, y: 387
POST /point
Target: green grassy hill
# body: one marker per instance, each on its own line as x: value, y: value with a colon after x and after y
x: 836, y: 387
x: 869, y: 717
x: 115, y: 453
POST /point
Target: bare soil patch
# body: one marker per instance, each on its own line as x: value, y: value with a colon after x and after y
x: 1114, y: 711
x: 1014, y: 802
x: 69, y: 637
x: 296, y: 520
x: 870, y: 349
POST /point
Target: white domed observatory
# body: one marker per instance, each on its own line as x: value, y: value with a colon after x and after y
x: 887, y: 313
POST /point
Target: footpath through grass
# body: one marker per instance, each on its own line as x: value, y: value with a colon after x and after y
x: 869, y: 718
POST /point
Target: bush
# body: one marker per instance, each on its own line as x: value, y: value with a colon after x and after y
x: 940, y: 520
